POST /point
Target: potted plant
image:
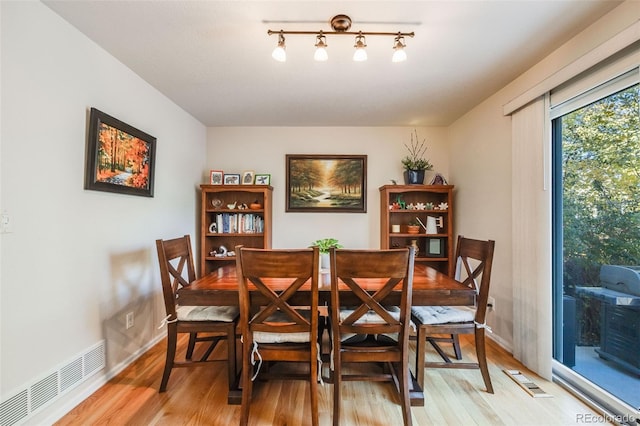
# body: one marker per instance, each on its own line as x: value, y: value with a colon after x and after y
x: 414, y: 163
x: 413, y: 227
x: 324, y: 245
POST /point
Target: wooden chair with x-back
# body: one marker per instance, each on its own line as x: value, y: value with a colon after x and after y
x: 366, y: 329
x: 474, y: 260
x: 212, y: 324
x: 272, y: 328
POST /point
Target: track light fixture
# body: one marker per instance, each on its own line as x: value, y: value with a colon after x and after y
x: 341, y: 25
x: 360, y: 54
x: 279, y: 54
x: 321, y: 48
x: 399, y: 55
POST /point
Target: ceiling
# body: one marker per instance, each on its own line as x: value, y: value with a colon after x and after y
x: 213, y: 58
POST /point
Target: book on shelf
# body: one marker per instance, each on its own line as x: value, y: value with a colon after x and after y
x: 239, y: 223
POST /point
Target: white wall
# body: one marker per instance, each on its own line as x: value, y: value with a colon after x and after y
x: 78, y: 260
x: 263, y: 149
x: 480, y: 157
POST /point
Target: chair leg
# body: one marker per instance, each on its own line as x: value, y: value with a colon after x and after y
x: 481, y: 353
x: 403, y: 377
x: 231, y: 355
x: 192, y: 344
x: 456, y: 346
x: 247, y: 384
x: 421, y: 342
x: 337, y: 382
x: 172, y: 339
x: 313, y: 382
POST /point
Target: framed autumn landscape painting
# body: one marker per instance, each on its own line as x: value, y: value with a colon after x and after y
x: 326, y: 183
x: 120, y: 158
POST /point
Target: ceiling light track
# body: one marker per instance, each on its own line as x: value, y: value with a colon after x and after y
x: 364, y: 33
x: 341, y: 25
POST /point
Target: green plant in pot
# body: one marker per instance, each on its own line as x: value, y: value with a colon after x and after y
x: 413, y: 227
x: 324, y: 245
x: 414, y: 163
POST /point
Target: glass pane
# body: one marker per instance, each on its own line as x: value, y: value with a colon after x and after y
x: 597, y: 224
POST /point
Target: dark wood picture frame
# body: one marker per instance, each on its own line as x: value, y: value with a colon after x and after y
x: 120, y: 158
x: 326, y: 183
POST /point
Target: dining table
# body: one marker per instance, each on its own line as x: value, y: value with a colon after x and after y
x: 430, y: 288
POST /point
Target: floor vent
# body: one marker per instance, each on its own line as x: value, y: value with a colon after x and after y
x: 94, y: 360
x: 14, y: 409
x: 45, y: 390
x: 527, y: 384
x: 70, y: 374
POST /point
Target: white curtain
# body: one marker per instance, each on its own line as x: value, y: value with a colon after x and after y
x: 531, y: 247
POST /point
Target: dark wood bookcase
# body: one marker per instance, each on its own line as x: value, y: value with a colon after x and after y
x: 233, y: 226
x: 402, y: 204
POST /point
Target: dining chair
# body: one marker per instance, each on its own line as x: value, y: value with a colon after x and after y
x: 364, y: 327
x: 274, y: 330
x: 473, y: 269
x: 218, y: 323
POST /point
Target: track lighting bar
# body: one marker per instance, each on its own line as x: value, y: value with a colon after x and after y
x: 341, y: 25
x: 353, y: 33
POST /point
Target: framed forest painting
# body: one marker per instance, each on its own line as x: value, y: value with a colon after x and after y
x: 326, y: 183
x: 120, y: 158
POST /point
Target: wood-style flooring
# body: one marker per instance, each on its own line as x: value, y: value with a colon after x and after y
x: 199, y: 397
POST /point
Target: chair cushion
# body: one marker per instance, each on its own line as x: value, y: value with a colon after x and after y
x: 207, y: 313
x: 442, y: 314
x: 269, y: 337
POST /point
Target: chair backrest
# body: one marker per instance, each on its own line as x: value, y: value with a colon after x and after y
x: 276, y: 276
x: 357, y: 270
x: 176, y: 269
x: 473, y: 268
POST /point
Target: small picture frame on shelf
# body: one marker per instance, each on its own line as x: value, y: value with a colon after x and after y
x: 247, y: 177
x: 231, y: 179
x: 215, y: 177
x: 263, y: 179
x: 438, y: 179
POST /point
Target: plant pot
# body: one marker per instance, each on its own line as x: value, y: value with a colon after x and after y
x: 414, y: 177
x: 324, y: 261
x: 413, y: 229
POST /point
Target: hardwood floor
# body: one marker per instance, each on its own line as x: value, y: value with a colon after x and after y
x: 198, y: 397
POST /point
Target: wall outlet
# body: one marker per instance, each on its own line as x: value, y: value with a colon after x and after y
x: 491, y: 304
x: 129, y: 320
x: 6, y: 224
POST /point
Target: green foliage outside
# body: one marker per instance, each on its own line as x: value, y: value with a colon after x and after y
x: 601, y: 195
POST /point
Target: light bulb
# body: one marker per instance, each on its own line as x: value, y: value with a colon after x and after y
x: 399, y: 55
x: 279, y: 54
x: 321, y: 49
x: 360, y: 54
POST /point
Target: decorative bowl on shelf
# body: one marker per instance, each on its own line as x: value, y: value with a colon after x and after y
x: 216, y: 203
x: 255, y: 206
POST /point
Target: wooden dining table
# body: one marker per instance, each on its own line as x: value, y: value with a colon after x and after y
x: 430, y: 287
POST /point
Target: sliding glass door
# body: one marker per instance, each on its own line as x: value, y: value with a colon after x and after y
x: 596, y: 234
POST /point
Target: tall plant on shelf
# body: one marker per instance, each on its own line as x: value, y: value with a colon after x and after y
x: 415, y: 164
